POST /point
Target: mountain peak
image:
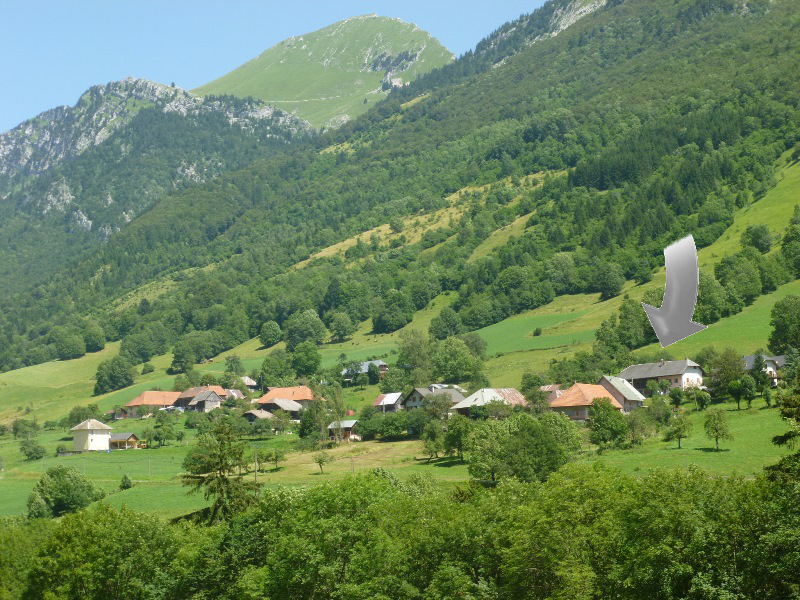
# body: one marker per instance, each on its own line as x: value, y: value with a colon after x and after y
x: 331, y: 75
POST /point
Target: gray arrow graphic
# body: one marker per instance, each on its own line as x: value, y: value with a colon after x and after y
x: 673, y: 321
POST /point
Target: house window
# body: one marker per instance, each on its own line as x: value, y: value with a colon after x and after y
x: 676, y: 380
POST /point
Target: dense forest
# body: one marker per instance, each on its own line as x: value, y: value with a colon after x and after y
x: 640, y: 122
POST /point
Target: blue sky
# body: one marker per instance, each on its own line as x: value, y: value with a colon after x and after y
x: 50, y: 52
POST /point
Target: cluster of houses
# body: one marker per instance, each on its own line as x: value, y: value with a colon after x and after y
x: 625, y: 391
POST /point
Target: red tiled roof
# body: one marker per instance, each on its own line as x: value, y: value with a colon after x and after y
x: 296, y: 393
x: 154, y: 398
x: 584, y: 394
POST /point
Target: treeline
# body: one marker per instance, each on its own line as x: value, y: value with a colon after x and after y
x: 586, y: 532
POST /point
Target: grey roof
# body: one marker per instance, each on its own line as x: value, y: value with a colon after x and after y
x: 748, y: 361
x: 364, y: 366
x: 343, y: 424
x: 260, y: 413
x: 665, y: 368
x: 248, y: 381
x: 455, y: 395
x: 628, y: 392
x: 287, y: 405
x: 205, y: 396
x: 121, y: 437
x: 91, y: 424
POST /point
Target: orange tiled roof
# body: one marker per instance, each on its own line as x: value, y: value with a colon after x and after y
x: 154, y: 398
x: 296, y: 393
x: 584, y: 394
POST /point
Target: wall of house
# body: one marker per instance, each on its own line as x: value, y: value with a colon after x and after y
x: 87, y: 439
x: 577, y: 413
x: 414, y: 400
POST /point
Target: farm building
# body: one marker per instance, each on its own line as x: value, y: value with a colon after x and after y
x: 249, y: 383
x: 388, y: 402
x: 575, y: 401
x: 363, y: 368
x: 123, y: 441
x: 416, y: 397
x: 205, y: 401
x: 148, y: 401
x: 185, y: 398
x: 289, y: 406
x: 299, y: 394
x: 623, y: 392
x: 91, y: 435
x: 484, y: 396
x: 346, y: 429
x: 257, y: 414
x: 773, y: 364
x: 553, y: 391
x: 680, y: 373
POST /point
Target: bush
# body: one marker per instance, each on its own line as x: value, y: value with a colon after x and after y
x: 126, y: 483
x: 32, y: 450
x: 147, y: 368
x: 61, y: 449
x: 61, y: 490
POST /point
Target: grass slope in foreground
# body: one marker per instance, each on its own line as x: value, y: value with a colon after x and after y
x: 325, y: 76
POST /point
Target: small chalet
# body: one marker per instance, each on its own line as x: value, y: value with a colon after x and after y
x: 289, y: 406
x: 153, y: 400
x: 416, y: 397
x: 250, y: 383
x: 346, y: 428
x: 257, y: 414
x: 91, y: 435
x: 680, y: 373
x: 484, y: 396
x: 299, y: 394
x: 186, y: 397
x: 389, y: 402
x: 205, y: 401
x: 575, y: 401
x: 123, y: 441
x: 363, y: 368
x: 772, y: 365
x: 623, y: 392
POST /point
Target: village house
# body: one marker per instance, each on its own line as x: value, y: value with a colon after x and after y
x: 148, y: 401
x: 484, y: 396
x: 772, y: 366
x: 91, y: 435
x: 389, y: 402
x: 249, y: 383
x: 205, y: 401
x: 679, y: 373
x: 300, y: 394
x: 363, y: 368
x: 416, y: 397
x: 123, y: 441
x: 289, y: 406
x: 553, y: 391
x: 234, y: 394
x: 623, y: 392
x: 576, y: 400
x: 185, y: 398
x: 346, y: 429
x: 257, y: 414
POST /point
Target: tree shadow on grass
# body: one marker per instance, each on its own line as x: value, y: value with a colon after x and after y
x: 442, y: 461
x: 713, y: 449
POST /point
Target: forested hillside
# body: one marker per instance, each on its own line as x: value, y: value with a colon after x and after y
x: 73, y: 176
x: 643, y: 121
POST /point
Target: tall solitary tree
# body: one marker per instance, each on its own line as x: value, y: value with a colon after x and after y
x: 214, y: 467
x: 716, y: 426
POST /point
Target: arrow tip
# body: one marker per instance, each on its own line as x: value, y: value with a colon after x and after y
x: 668, y: 330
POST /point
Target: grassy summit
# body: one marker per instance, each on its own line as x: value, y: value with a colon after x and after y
x: 325, y: 76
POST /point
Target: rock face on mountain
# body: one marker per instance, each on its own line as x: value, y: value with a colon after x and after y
x: 67, y: 131
x: 334, y: 74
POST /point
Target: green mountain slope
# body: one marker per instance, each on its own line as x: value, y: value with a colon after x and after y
x: 325, y: 76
